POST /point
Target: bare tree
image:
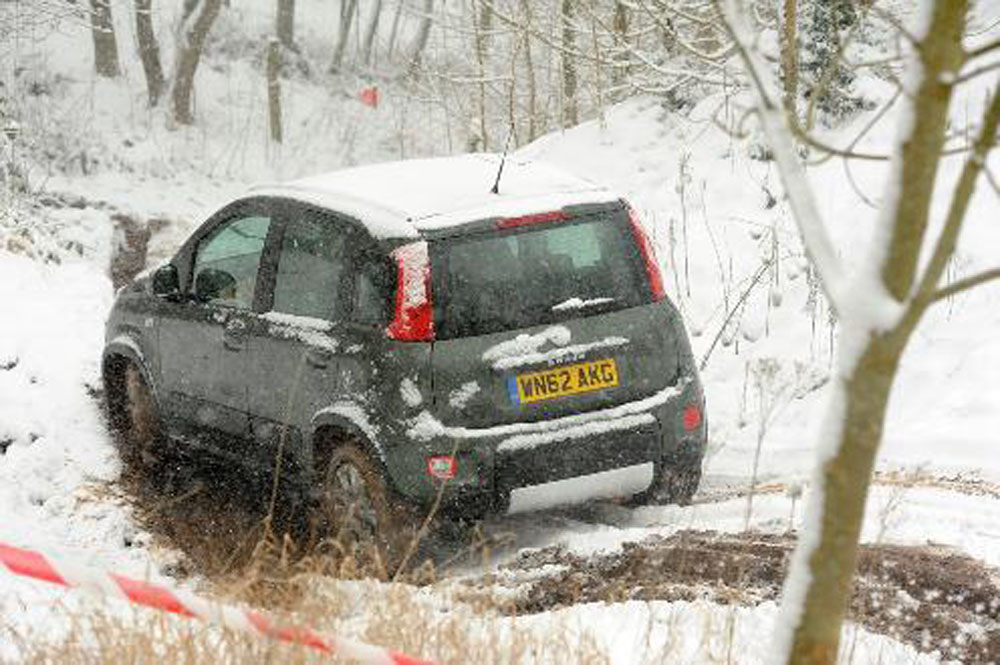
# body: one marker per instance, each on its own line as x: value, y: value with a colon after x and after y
x: 274, y: 88
x: 423, y: 35
x: 620, y: 71
x: 879, y: 307
x: 394, y: 31
x: 570, y: 111
x: 194, y: 31
x: 347, y: 9
x: 102, y: 27
x: 149, y: 50
x: 789, y: 53
x: 370, y: 30
x: 285, y: 23
x: 482, y: 19
x: 189, y: 7
x: 529, y: 70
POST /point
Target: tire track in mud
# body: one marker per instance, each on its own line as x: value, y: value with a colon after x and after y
x: 958, y: 483
x: 935, y: 599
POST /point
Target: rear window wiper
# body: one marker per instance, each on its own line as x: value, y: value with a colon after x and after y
x: 580, y: 303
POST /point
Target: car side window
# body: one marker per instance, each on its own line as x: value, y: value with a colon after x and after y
x: 227, y: 262
x: 372, y: 291
x: 310, y: 268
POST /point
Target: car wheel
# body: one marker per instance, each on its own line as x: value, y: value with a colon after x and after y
x: 675, y: 485
x: 360, y: 513
x: 141, y: 426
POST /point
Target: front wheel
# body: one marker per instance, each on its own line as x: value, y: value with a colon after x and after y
x: 138, y: 419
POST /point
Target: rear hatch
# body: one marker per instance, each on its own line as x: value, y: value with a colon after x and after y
x: 547, y: 315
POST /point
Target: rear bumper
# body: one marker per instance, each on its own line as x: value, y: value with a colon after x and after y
x: 496, y: 463
x: 620, y: 481
x: 582, y: 450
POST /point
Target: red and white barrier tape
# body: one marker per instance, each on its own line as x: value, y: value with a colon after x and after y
x: 27, y: 563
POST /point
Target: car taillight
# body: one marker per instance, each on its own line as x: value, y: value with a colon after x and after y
x: 648, y: 256
x: 691, y: 417
x: 442, y: 467
x: 414, y: 317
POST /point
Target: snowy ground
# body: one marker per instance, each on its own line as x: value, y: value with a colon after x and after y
x: 719, y: 220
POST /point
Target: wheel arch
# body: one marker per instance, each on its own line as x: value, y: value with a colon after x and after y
x: 118, y: 353
x: 339, y: 424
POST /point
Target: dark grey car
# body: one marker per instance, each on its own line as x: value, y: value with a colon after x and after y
x: 398, y: 332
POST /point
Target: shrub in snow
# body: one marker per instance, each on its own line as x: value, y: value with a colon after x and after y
x: 823, y: 69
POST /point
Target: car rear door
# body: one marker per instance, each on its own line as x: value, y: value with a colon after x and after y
x: 297, y: 342
x: 547, y: 316
x: 202, y: 338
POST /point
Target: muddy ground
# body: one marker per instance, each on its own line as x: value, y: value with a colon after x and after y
x: 934, y: 599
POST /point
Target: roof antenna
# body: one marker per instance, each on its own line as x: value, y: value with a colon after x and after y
x: 503, y: 158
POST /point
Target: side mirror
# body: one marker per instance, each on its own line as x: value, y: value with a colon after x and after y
x: 166, y: 282
x: 212, y: 284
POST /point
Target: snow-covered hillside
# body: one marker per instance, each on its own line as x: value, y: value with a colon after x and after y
x: 712, y: 206
x: 729, y: 252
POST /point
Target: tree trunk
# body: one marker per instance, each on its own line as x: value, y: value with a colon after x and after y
x: 570, y: 113
x: 274, y: 88
x: 190, y: 43
x: 620, y: 70
x: 845, y: 481
x: 423, y: 34
x: 347, y: 9
x: 394, y: 31
x: 857, y: 419
x: 370, y: 31
x: 529, y: 71
x: 940, y: 53
x: 149, y: 50
x: 285, y: 23
x: 790, y: 54
x: 102, y: 28
x: 481, y: 20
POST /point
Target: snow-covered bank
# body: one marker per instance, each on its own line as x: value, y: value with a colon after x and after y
x: 720, y: 219
x: 55, y: 455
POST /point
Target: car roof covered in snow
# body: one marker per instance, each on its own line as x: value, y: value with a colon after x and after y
x: 400, y: 199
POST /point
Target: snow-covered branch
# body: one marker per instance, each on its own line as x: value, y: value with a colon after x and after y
x: 777, y: 130
x: 965, y: 284
x: 983, y: 50
x: 964, y: 189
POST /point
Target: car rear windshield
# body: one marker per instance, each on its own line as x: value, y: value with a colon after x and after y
x: 505, y: 279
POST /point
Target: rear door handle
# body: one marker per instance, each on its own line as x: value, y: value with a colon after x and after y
x: 318, y: 358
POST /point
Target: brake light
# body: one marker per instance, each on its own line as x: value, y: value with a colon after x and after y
x: 414, y: 317
x: 691, y: 417
x: 648, y: 256
x: 527, y: 220
x: 442, y: 467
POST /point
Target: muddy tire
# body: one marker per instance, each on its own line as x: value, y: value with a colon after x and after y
x: 675, y: 485
x: 360, y: 514
x: 139, y: 425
